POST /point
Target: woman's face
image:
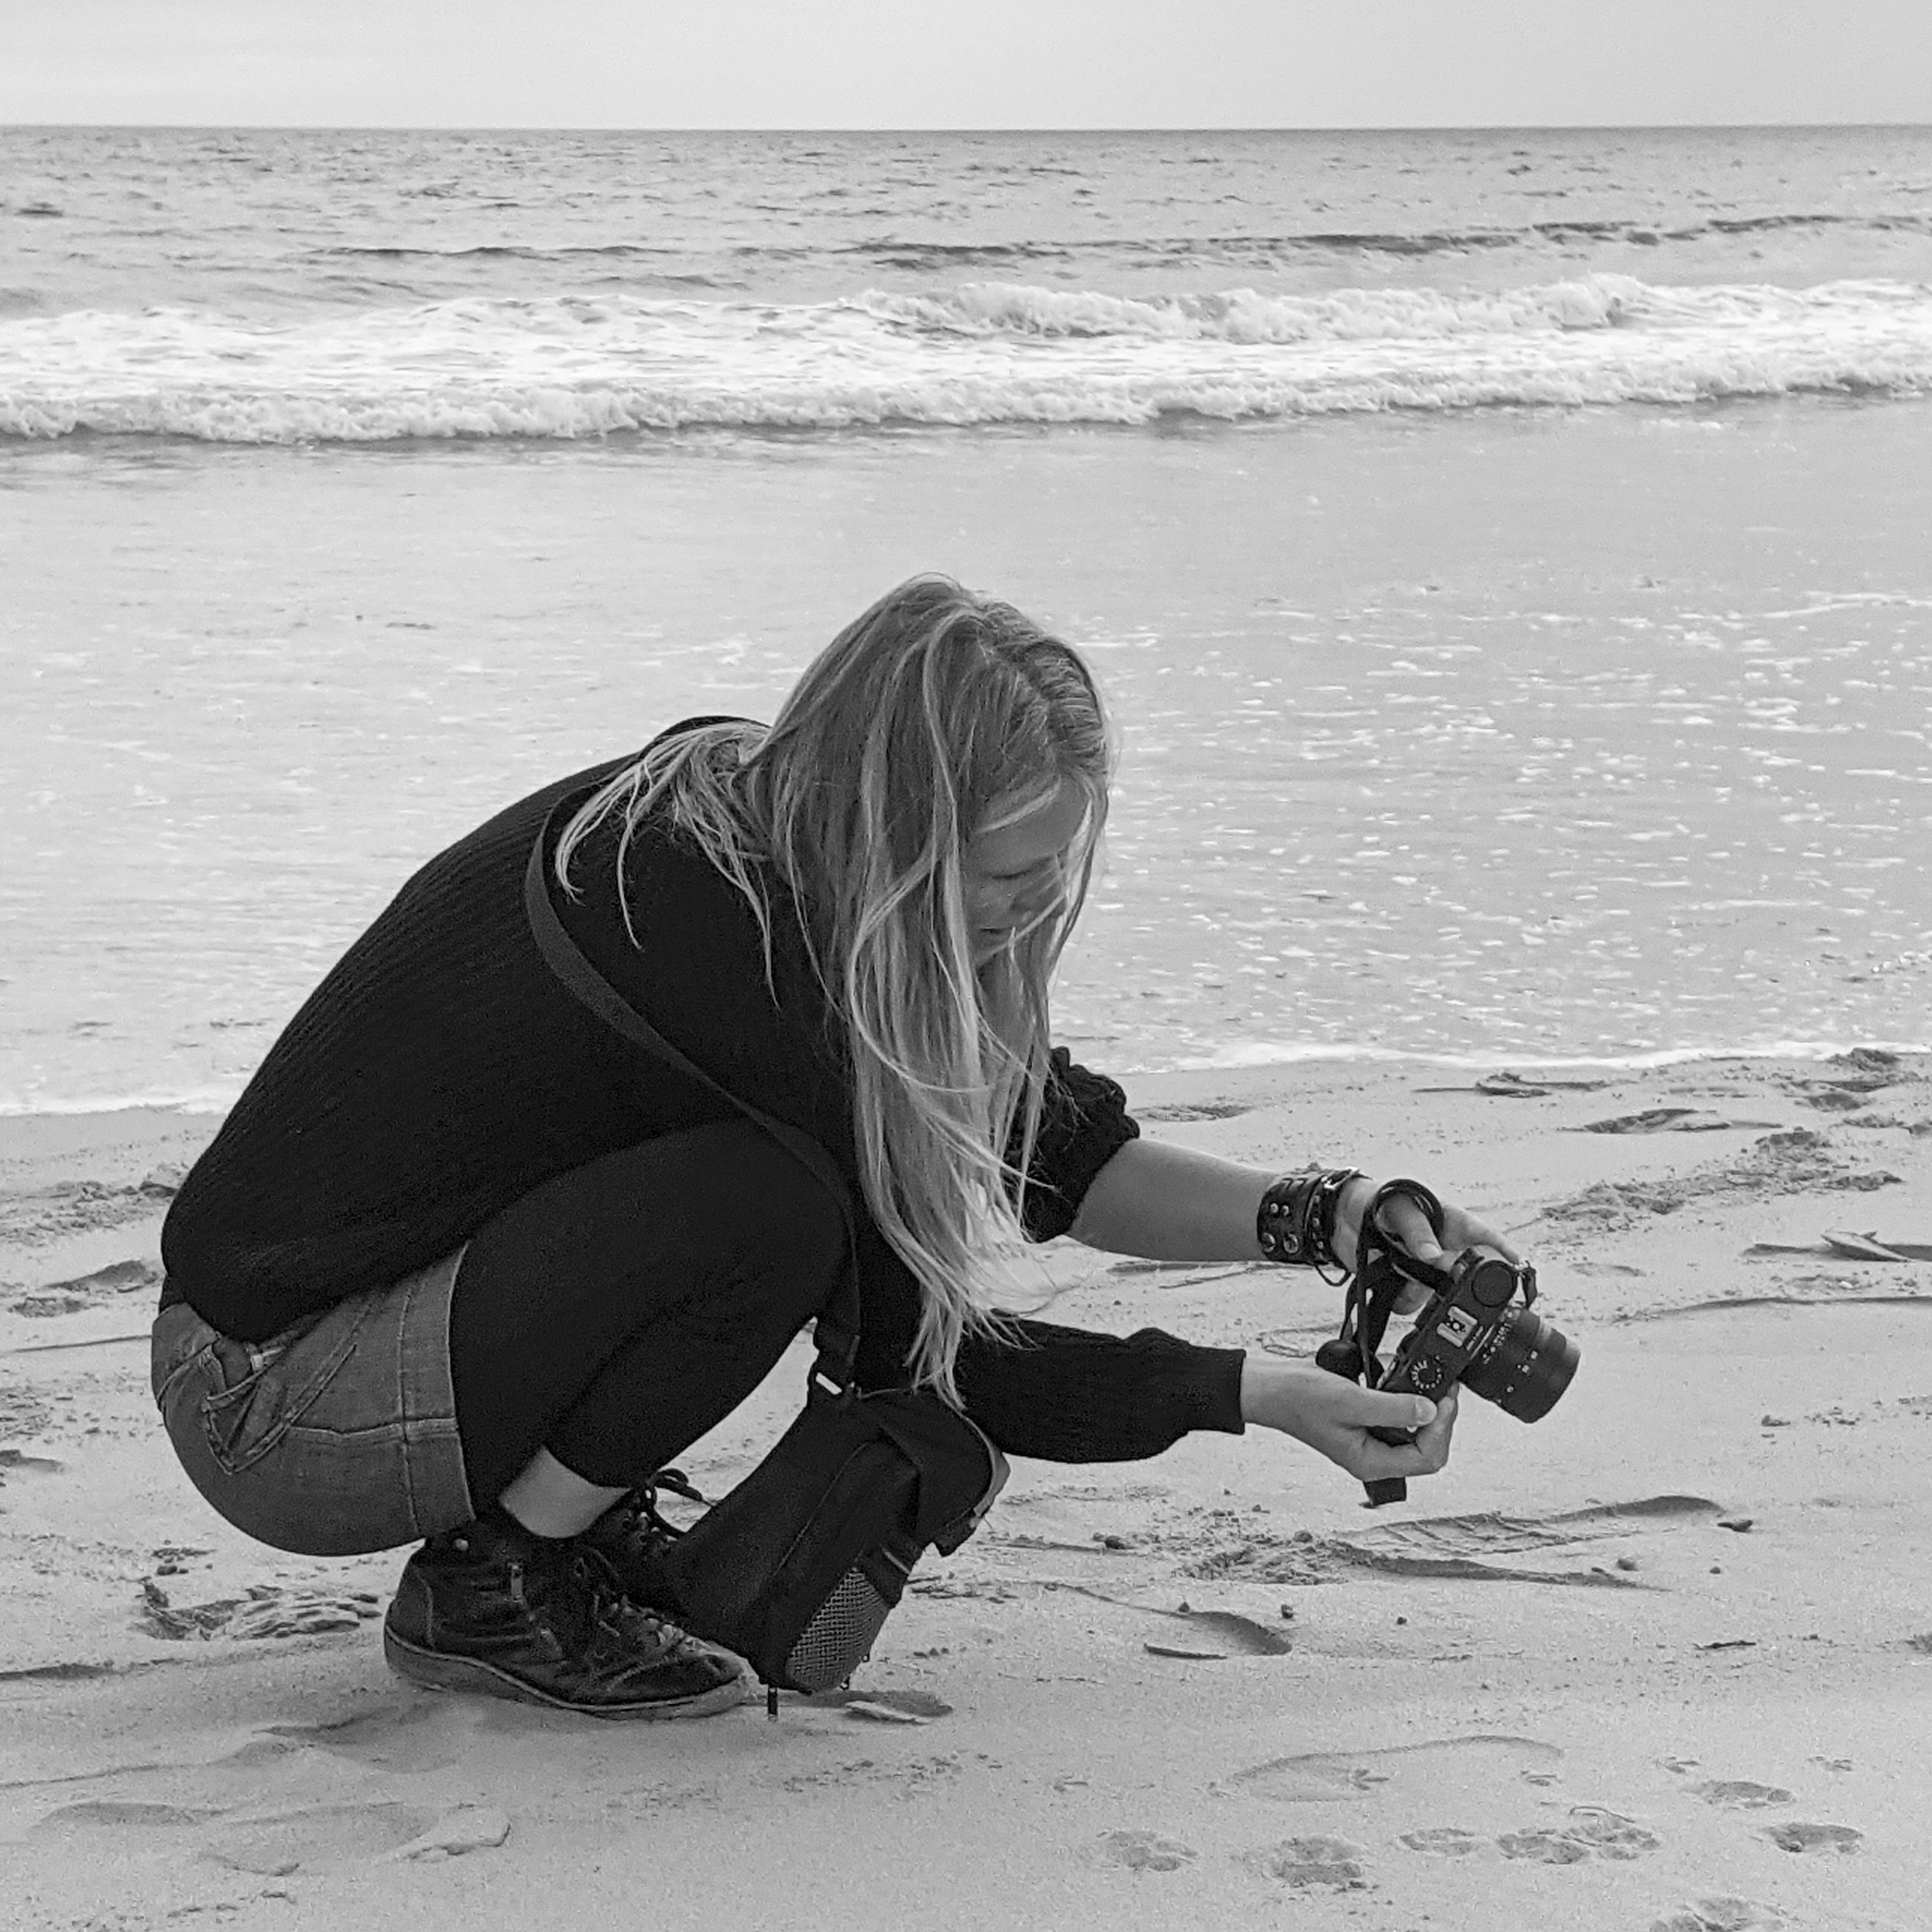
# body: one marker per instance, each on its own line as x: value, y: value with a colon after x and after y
x: 1014, y: 875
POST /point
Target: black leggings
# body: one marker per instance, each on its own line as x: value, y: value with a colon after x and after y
x: 619, y: 1310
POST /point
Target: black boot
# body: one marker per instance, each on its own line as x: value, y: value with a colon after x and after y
x: 491, y: 1607
x: 630, y: 1540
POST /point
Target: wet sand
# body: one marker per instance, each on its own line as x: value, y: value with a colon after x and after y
x: 1510, y: 732
x: 1663, y: 1660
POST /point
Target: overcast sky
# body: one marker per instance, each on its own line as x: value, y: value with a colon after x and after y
x: 972, y: 63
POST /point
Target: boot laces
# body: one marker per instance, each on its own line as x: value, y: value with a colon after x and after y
x: 639, y: 1520
x: 612, y: 1618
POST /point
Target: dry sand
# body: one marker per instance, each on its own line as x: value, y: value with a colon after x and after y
x: 1663, y: 1659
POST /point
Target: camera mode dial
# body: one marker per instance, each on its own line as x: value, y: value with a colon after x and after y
x: 1426, y: 1375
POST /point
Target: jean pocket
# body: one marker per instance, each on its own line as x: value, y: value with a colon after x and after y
x: 282, y: 1381
x: 167, y: 1379
x: 181, y: 1341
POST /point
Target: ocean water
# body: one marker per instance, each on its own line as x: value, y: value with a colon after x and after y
x: 1505, y: 553
x: 254, y: 287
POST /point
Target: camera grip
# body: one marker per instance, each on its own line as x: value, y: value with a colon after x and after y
x: 1389, y: 1488
x: 1344, y: 1359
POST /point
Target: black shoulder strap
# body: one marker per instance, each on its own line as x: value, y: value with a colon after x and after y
x: 836, y: 1330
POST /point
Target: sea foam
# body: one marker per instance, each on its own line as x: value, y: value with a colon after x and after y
x: 578, y: 366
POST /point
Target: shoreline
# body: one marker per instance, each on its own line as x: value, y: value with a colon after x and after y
x: 1662, y: 1659
x: 1284, y: 1060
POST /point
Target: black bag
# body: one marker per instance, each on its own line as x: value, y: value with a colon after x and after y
x: 798, y: 1568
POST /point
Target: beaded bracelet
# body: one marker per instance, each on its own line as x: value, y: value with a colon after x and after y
x: 1295, y: 1225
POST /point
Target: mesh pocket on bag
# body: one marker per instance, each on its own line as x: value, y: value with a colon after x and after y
x: 840, y: 1635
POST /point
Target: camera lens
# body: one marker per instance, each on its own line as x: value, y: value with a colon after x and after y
x: 1527, y: 1367
x: 1491, y: 1281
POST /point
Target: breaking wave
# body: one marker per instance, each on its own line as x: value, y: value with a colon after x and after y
x: 988, y: 353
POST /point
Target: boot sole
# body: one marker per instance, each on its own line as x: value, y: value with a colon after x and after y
x: 433, y: 1671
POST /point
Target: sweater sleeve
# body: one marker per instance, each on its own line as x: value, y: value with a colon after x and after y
x: 1084, y: 1122
x: 1072, y: 1396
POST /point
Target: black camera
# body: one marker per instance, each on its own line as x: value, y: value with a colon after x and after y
x: 1474, y: 1331
x: 1479, y: 1328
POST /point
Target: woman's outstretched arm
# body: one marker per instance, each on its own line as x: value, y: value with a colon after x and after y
x: 1172, y: 1204
x: 1168, y: 1203
x: 1177, y: 1203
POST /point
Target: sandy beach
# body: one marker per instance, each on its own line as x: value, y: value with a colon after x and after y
x: 1496, y: 545
x: 1663, y: 1660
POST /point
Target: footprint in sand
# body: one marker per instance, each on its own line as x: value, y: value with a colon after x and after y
x: 119, y: 1813
x: 1542, y: 1847
x: 267, y: 1610
x: 1445, y: 1840
x: 1814, y: 1838
x: 1741, y: 1794
x: 1725, y: 1914
x: 315, y: 1837
x: 318, y: 1837
x: 1145, y: 1851
x: 1609, y: 1834
x: 1317, y: 1776
x: 1303, y: 1862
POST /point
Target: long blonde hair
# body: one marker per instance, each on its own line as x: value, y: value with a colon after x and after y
x: 936, y: 716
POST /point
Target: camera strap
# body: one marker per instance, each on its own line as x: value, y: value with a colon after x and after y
x: 1378, y: 1279
x: 836, y: 1330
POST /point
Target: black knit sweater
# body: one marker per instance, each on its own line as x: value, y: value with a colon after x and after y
x: 440, y: 1072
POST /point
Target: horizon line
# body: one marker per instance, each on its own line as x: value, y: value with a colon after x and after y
x: 588, y: 127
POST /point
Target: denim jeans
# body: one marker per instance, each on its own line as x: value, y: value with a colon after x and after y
x: 335, y: 1437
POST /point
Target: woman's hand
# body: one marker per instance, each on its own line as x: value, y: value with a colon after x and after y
x: 1333, y: 1416
x: 1406, y: 1223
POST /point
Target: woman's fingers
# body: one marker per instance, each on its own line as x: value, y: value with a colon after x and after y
x: 1433, y: 1440
x: 1335, y: 1417
x: 1411, y: 1298
x: 1404, y: 1223
x: 1461, y: 1230
x: 1402, y: 1220
x: 1349, y: 1208
x: 1371, y: 1459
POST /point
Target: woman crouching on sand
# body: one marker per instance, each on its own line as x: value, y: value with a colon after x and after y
x: 465, y: 1267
